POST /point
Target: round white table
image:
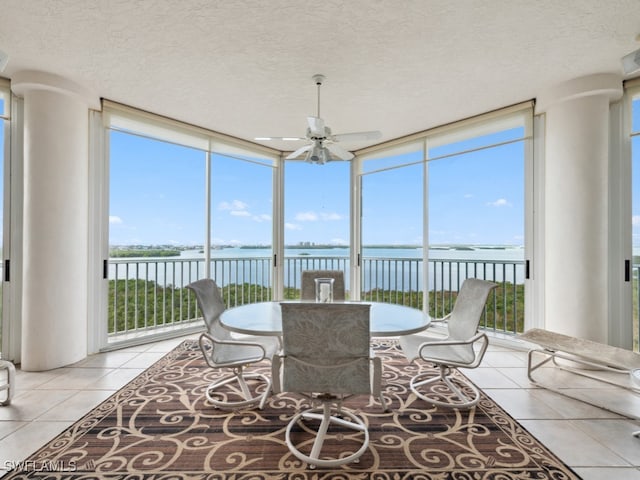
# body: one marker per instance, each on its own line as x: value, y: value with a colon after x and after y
x: 265, y: 318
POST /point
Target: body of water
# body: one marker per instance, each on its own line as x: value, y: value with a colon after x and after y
x: 384, y: 268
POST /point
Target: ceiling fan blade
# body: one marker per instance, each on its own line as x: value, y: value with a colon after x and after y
x: 316, y: 126
x: 299, y: 152
x: 372, y: 135
x: 286, y: 139
x: 338, y: 151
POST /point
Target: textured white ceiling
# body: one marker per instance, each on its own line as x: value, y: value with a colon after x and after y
x: 244, y: 67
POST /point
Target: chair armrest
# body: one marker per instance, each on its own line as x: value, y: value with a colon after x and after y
x: 473, y: 339
x: 444, y: 319
x: 215, y: 341
x: 208, y: 338
x: 480, y: 336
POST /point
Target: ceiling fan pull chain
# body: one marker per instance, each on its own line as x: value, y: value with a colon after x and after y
x: 318, y: 79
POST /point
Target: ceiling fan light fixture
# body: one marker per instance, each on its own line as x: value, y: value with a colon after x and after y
x: 318, y: 155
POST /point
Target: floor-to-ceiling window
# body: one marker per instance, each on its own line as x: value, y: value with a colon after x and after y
x: 156, y: 224
x: 183, y: 205
x: 463, y: 187
x: 406, y: 222
x: 316, y: 220
x: 392, y: 226
x: 5, y: 103
x: 477, y: 216
x: 242, y: 226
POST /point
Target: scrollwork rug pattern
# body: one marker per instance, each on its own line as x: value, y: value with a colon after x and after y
x: 159, y: 426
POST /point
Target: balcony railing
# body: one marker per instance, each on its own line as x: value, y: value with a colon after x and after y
x: 148, y: 295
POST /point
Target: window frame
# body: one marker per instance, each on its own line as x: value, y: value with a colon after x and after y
x: 128, y: 120
x: 492, y: 122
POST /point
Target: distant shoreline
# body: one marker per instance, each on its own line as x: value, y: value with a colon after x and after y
x: 128, y: 251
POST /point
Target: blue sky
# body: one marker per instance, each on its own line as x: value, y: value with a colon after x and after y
x: 157, y: 197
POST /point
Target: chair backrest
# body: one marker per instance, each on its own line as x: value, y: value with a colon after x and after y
x: 211, y: 305
x: 326, y: 348
x: 309, y: 284
x: 467, y: 311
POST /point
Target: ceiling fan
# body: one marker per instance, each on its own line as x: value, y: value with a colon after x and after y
x: 322, y: 146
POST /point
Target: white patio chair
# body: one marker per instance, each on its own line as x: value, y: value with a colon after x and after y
x: 326, y: 356
x: 8, y: 370
x: 463, y: 347
x: 308, y: 292
x: 222, y: 351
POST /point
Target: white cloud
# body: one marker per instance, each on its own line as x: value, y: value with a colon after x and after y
x: 262, y: 218
x: 307, y: 217
x: 635, y: 220
x: 292, y: 226
x: 314, y: 217
x: 238, y: 208
x: 114, y: 220
x: 234, y: 205
x: 239, y: 213
x: 501, y: 202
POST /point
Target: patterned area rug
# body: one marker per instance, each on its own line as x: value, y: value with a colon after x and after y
x: 160, y: 426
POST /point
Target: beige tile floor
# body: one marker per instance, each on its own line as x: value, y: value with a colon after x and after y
x: 597, y: 444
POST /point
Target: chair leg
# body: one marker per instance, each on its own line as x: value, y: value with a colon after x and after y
x: 326, y: 417
x: 383, y: 403
x: 322, y: 431
x: 377, y: 383
x: 446, y: 376
x: 241, y: 378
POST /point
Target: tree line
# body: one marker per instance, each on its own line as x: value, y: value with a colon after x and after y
x: 136, y: 304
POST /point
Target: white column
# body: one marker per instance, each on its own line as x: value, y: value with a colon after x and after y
x: 576, y: 204
x: 55, y: 245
